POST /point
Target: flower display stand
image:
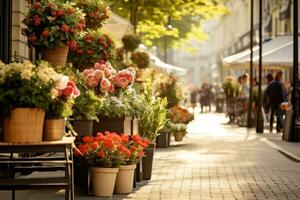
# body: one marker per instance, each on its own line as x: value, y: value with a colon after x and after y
x: 121, y: 125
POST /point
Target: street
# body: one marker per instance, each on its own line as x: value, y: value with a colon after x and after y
x: 215, y: 161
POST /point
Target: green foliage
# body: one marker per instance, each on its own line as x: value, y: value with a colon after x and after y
x: 112, y: 107
x: 130, y: 42
x: 52, y: 23
x: 153, y: 116
x: 59, y: 108
x: 133, y: 102
x: 86, y: 105
x: 96, y: 12
x: 171, y: 127
x: 92, y: 47
x: 151, y: 17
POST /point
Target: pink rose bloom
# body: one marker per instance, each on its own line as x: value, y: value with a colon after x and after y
x: 97, y: 65
x: 98, y: 74
x: 108, y: 65
x: 69, y: 91
x: 71, y: 83
x: 62, y: 82
x: 88, y: 72
x: 122, y: 82
x: 107, y: 72
x: 111, y: 88
x: 105, y: 84
x: 92, y: 81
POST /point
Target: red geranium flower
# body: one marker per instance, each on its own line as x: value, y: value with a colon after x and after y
x: 101, y: 154
x: 64, y: 28
x: 88, y: 139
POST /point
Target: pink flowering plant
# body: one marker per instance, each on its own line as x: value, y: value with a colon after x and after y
x: 92, y: 47
x: 104, y: 79
x: 52, y: 23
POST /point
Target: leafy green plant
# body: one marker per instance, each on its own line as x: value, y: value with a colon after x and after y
x: 133, y: 102
x: 52, y: 23
x: 112, y: 107
x: 153, y: 115
x: 85, y: 106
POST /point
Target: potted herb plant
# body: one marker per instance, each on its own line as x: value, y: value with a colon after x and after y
x: 52, y: 25
x: 103, y: 156
x: 133, y: 150
x: 25, y: 94
x: 151, y: 120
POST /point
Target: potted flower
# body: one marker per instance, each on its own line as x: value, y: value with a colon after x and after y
x: 151, y: 120
x: 133, y: 149
x: 52, y: 25
x: 96, y: 12
x: 92, y: 47
x: 60, y: 109
x: 25, y: 94
x: 179, y: 114
x: 104, y: 157
x: 178, y: 130
x: 108, y: 84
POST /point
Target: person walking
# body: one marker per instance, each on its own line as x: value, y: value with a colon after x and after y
x: 276, y: 95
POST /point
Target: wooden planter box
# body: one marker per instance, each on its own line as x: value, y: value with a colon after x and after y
x: 121, y: 125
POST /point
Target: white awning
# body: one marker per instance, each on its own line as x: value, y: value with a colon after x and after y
x: 278, y: 51
x: 156, y: 62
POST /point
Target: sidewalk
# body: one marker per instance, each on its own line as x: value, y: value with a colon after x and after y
x: 214, y: 162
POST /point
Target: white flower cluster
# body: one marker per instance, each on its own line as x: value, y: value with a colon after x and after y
x: 43, y: 72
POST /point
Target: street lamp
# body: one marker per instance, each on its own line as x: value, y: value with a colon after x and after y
x: 249, y: 122
x: 260, y: 119
x: 168, y: 27
x: 295, y: 129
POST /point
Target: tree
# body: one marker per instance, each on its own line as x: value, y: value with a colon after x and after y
x: 150, y: 17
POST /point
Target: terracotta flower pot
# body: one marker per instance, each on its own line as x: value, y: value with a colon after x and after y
x: 103, y: 181
x: 124, y: 181
x: 24, y: 125
x: 56, y: 56
x: 178, y: 136
x: 54, y: 129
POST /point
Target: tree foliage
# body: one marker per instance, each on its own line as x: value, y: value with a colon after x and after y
x: 150, y: 17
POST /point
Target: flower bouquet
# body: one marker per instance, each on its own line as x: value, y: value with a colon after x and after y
x: 51, y: 26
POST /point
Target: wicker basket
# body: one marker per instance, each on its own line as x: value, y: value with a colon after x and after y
x: 24, y: 125
x: 54, y: 129
x: 56, y: 56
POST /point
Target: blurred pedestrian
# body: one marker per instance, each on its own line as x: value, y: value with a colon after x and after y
x: 276, y: 94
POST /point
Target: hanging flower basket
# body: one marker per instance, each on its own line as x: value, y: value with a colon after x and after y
x: 56, y: 56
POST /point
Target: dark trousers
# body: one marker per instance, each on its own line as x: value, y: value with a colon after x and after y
x: 279, y: 114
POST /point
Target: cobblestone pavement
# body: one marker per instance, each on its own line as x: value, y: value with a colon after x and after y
x: 215, y: 161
